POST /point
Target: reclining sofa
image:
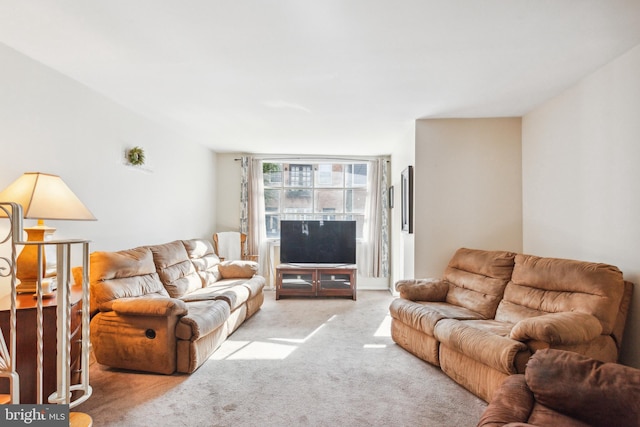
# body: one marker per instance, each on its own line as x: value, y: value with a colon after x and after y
x: 168, y: 307
x: 492, y: 310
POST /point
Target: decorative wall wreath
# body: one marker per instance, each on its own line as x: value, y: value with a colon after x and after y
x: 136, y: 156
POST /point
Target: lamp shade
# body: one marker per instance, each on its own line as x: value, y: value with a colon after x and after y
x: 45, y: 196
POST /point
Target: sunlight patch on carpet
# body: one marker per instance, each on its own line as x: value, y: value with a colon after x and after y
x: 384, y: 330
x: 254, y: 350
x: 300, y: 340
x: 374, y: 346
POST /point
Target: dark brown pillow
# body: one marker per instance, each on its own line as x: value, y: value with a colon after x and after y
x: 598, y: 393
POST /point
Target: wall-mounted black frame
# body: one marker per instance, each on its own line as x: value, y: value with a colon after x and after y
x: 407, y: 199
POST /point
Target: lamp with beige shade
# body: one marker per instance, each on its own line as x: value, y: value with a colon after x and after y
x: 43, y: 197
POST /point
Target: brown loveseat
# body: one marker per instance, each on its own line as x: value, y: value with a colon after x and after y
x: 167, y: 308
x: 492, y: 310
x: 563, y: 388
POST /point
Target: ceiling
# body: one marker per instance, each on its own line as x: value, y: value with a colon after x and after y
x: 325, y: 76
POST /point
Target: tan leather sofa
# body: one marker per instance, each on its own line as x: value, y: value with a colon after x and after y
x: 491, y: 310
x: 563, y: 388
x: 167, y: 308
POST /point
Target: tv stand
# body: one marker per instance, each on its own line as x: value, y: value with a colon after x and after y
x: 316, y: 280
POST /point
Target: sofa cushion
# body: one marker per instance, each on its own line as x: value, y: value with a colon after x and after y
x: 477, y: 279
x: 123, y: 274
x: 198, y: 248
x: 210, y: 273
x: 485, y: 341
x: 177, y: 273
x: 600, y: 394
x: 415, y: 315
x: 551, y: 285
x: 232, y: 291
x: 238, y: 269
x: 255, y: 285
x: 204, y: 260
x: 203, y: 318
x: 423, y: 315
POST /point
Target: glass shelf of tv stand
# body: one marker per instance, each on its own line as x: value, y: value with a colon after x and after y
x: 316, y: 280
x: 334, y: 281
x: 304, y: 282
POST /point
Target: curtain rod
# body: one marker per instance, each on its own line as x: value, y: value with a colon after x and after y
x: 315, y: 158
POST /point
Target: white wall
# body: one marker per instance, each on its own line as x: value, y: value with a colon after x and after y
x: 581, y: 177
x: 402, y: 243
x: 229, y: 177
x: 467, y: 189
x: 50, y: 123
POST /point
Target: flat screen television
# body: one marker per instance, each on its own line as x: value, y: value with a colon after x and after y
x: 317, y: 242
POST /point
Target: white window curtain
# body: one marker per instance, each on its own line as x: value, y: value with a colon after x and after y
x: 373, y: 260
x: 244, y: 197
x: 252, y: 213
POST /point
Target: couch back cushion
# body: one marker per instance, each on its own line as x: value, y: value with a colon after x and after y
x: 175, y: 269
x: 477, y: 279
x: 123, y: 274
x: 204, y: 260
x: 551, y: 285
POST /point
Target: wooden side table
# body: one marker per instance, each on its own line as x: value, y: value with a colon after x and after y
x: 26, y: 342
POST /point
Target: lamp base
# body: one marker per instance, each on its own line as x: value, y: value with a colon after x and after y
x: 80, y: 419
x: 31, y: 287
x: 27, y: 262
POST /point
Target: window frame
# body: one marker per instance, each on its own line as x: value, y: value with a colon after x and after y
x: 319, y: 181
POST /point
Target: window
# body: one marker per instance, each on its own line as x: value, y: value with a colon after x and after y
x: 314, y: 190
x: 299, y: 175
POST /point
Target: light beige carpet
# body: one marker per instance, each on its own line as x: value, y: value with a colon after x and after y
x: 297, y: 362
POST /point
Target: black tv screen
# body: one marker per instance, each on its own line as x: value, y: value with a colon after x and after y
x: 317, y: 242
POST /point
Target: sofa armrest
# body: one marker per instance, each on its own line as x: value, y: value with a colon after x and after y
x: 423, y: 289
x: 150, y: 307
x: 558, y: 328
x: 511, y: 403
